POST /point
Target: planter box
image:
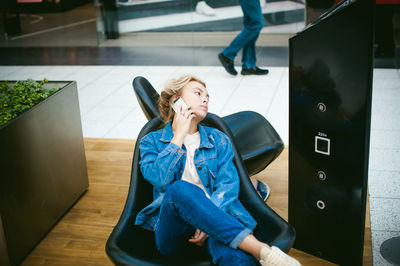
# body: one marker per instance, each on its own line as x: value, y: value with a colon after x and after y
x: 43, y: 170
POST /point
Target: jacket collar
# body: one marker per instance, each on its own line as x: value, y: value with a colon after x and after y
x: 205, y: 142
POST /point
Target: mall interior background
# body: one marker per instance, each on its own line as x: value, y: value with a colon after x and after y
x: 122, y: 25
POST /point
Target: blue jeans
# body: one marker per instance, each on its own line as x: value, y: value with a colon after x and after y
x: 184, y: 209
x: 253, y: 21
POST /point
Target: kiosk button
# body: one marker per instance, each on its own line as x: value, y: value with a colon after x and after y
x: 321, y: 175
x: 321, y: 107
x: 321, y: 205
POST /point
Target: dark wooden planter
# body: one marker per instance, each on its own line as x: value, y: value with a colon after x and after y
x: 43, y: 171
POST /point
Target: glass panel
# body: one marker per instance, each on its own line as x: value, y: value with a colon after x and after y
x: 47, y: 23
x: 315, y: 8
x: 387, y: 35
x: 283, y: 16
x: 135, y: 19
x: 387, y: 29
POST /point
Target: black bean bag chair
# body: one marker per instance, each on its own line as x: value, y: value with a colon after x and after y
x: 129, y: 244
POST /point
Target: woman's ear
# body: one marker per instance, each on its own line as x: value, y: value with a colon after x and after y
x: 173, y: 98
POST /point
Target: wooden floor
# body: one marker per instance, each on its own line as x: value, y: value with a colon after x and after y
x: 80, y: 237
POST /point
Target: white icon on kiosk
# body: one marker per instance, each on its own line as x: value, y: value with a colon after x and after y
x: 322, y: 145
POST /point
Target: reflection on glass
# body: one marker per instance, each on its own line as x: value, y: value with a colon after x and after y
x: 138, y: 16
x: 315, y: 8
x: 46, y: 23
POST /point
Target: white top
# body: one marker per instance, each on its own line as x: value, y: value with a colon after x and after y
x: 192, y: 142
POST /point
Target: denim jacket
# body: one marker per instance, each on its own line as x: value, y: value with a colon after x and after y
x: 163, y: 162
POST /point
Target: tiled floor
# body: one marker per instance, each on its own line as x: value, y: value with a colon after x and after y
x: 109, y: 109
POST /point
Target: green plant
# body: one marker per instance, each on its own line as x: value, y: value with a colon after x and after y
x: 22, y: 96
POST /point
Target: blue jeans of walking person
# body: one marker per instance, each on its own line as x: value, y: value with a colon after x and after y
x: 186, y: 208
x: 253, y: 22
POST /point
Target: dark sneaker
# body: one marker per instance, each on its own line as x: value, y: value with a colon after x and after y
x: 227, y: 64
x: 263, y: 190
x: 254, y: 71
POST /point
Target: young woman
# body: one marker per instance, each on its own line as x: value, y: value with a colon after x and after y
x: 196, y: 185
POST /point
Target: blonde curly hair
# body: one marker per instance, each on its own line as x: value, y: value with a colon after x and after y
x: 173, y: 87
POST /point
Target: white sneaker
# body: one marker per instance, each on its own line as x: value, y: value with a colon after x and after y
x: 275, y: 257
x: 203, y: 9
x: 125, y: 2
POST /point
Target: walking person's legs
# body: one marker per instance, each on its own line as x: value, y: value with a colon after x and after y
x: 253, y: 22
x: 249, y: 54
x: 228, y: 55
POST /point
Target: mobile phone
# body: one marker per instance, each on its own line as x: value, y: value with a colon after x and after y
x: 177, y: 103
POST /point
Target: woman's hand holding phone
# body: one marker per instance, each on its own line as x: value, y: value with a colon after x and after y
x: 181, y: 122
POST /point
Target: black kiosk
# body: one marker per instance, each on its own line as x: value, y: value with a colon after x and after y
x: 330, y: 93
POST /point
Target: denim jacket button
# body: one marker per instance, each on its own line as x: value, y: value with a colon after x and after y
x: 207, y: 185
x: 179, y: 151
x: 199, y: 168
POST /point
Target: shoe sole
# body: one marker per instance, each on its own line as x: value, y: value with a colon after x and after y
x: 248, y: 74
x: 205, y: 14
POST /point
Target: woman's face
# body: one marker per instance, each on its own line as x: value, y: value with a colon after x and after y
x: 195, y: 95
